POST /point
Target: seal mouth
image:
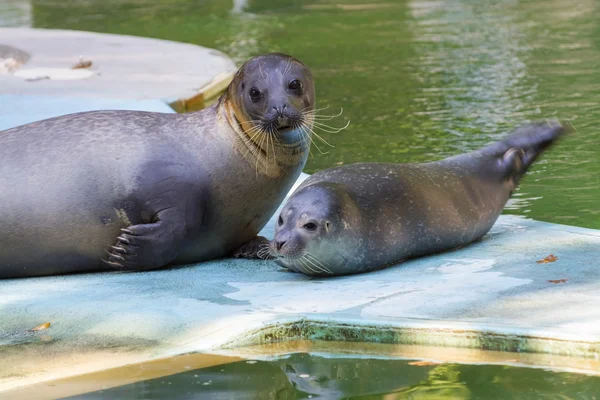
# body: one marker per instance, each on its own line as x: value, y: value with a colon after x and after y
x: 281, y: 124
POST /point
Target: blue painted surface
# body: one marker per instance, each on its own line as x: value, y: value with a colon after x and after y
x: 22, y: 109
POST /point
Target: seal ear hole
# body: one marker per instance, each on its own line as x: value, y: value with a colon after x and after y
x: 327, y: 225
x: 310, y: 226
x: 243, y: 86
x: 280, y: 221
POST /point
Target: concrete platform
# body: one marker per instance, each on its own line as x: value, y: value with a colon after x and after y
x: 123, y: 67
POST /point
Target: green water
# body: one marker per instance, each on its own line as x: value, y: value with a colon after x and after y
x: 419, y: 80
x: 302, y: 376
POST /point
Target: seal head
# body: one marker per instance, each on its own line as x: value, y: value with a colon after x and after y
x: 316, y: 228
x: 270, y: 103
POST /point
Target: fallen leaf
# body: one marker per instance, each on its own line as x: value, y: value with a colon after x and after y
x: 549, y: 259
x: 423, y: 363
x: 41, y: 327
x: 82, y: 64
x: 557, y: 280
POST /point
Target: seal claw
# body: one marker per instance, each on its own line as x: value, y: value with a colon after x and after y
x: 119, y: 249
x: 122, y: 239
x: 112, y: 263
x: 118, y: 257
x: 127, y: 231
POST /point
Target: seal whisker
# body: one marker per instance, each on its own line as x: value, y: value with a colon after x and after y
x: 304, y: 127
x: 273, y: 137
x: 261, y: 71
x: 320, y: 138
x: 333, y: 128
x: 260, y: 146
x: 321, y: 263
x: 319, y: 117
x: 265, y: 140
x: 314, y: 262
x: 261, y: 254
x: 288, y: 67
x: 312, y: 141
x: 257, y: 131
x: 305, y: 138
x: 251, y: 140
x: 326, y: 130
x: 316, y: 110
x: 327, y: 117
x: 308, y: 260
x: 330, y: 129
x: 306, y: 267
x: 271, y: 141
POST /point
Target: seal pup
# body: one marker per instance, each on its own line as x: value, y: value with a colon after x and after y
x: 131, y: 190
x: 363, y: 217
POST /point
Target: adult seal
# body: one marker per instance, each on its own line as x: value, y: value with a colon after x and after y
x: 132, y: 190
x: 364, y: 217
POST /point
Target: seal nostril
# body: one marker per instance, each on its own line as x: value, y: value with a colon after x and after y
x: 279, y: 110
x: 279, y: 244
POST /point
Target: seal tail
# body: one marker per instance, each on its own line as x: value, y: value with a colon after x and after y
x: 525, y: 144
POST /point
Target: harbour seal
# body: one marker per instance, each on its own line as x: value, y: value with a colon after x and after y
x: 131, y: 190
x: 363, y: 217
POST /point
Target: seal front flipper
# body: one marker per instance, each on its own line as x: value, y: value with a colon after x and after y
x: 258, y: 247
x: 159, y: 227
x: 146, y: 246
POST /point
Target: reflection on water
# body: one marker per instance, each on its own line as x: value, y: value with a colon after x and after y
x: 15, y: 13
x: 301, y: 376
x: 420, y: 80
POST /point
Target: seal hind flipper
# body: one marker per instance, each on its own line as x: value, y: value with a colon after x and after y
x: 532, y: 139
x: 522, y: 147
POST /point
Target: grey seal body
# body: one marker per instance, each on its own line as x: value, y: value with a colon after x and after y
x: 134, y: 190
x: 363, y: 217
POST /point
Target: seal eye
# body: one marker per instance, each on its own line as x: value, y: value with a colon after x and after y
x: 280, y: 221
x: 311, y: 226
x: 255, y: 94
x: 295, y: 86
